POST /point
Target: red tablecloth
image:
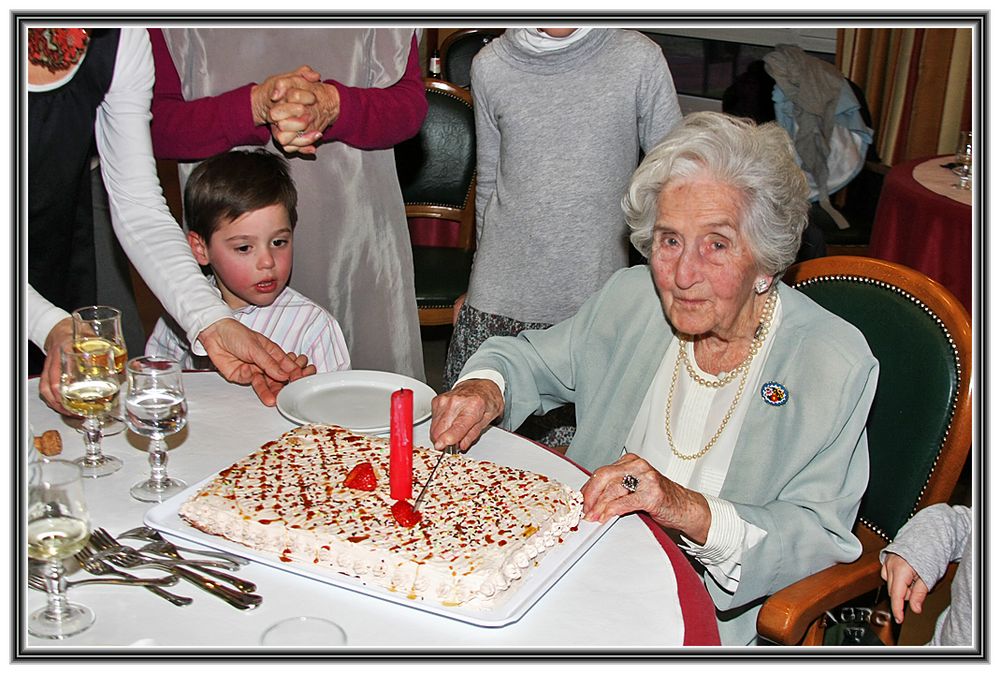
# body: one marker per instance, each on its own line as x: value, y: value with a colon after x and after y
x: 924, y: 230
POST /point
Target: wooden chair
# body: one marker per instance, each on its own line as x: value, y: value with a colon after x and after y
x: 919, y: 428
x: 458, y: 50
x: 437, y: 175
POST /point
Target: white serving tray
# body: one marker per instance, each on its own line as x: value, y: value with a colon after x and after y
x: 537, y: 581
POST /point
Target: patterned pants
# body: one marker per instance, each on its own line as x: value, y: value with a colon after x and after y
x: 474, y: 327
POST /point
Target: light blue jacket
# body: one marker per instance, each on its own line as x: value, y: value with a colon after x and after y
x: 798, y: 471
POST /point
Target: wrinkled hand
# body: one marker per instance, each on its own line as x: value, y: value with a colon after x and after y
x: 668, y: 503
x: 461, y: 415
x: 244, y: 356
x: 264, y: 96
x: 48, y: 384
x: 299, y: 120
x: 904, y: 586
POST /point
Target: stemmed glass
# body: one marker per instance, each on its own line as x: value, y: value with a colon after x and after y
x: 963, y: 157
x: 89, y: 387
x: 155, y: 407
x: 99, y: 327
x: 58, y: 527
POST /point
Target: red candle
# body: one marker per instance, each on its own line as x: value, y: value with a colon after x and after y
x: 401, y: 445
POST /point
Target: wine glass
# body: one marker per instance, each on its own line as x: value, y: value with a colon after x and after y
x: 97, y: 327
x: 58, y: 527
x: 89, y: 387
x: 963, y: 157
x: 155, y: 407
x: 304, y: 632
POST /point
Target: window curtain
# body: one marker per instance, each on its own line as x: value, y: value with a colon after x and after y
x: 918, y: 82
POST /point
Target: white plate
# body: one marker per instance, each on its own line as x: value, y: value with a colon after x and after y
x: 355, y: 399
x: 551, y: 567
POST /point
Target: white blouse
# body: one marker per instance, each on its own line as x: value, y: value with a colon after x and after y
x: 152, y: 239
x: 697, y: 413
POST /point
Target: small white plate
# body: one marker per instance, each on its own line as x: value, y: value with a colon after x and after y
x: 355, y: 399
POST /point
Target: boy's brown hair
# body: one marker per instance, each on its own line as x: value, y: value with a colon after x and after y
x: 224, y: 187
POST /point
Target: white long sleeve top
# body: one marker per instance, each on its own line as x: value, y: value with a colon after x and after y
x: 148, y: 233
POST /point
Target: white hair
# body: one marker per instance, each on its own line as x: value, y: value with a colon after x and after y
x: 759, y: 161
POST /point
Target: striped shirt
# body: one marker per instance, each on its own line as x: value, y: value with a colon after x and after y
x: 293, y: 321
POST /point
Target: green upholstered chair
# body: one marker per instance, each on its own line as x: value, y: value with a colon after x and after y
x: 919, y: 428
x: 458, y: 50
x: 437, y: 175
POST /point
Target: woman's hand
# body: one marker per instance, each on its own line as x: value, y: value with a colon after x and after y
x: 904, y: 586
x: 299, y: 120
x: 264, y: 96
x: 244, y: 356
x: 48, y: 384
x: 461, y: 415
x: 669, y: 504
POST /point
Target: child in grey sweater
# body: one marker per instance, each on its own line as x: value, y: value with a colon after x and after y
x: 918, y: 558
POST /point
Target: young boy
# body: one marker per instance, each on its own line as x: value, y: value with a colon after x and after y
x: 240, y: 208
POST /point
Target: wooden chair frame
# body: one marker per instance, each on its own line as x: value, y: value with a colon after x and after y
x: 794, y: 614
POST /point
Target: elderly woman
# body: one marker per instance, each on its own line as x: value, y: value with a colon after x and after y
x: 724, y: 404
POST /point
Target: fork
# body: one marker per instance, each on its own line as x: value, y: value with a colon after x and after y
x: 106, y: 545
x: 151, y: 534
x: 176, y: 559
x: 240, y: 600
x: 37, y: 581
x: 90, y: 564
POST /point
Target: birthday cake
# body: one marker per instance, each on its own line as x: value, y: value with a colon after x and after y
x: 320, y: 495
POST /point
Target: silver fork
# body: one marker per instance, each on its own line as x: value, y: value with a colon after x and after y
x: 240, y: 600
x: 37, y: 581
x: 176, y: 559
x: 106, y: 544
x: 151, y: 534
x: 95, y: 566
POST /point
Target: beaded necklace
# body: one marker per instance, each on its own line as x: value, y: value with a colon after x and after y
x: 56, y: 49
x: 743, y: 369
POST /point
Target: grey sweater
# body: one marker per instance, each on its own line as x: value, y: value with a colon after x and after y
x: 558, y: 137
x: 934, y: 537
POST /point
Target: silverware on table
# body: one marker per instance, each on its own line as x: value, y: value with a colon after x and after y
x: 173, y: 557
x: 90, y: 564
x: 448, y: 451
x: 152, y: 535
x: 121, y: 555
x: 37, y: 581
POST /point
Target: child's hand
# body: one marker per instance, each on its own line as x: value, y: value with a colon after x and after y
x: 904, y: 586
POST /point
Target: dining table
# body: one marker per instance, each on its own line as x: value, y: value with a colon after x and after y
x: 631, y: 591
x: 924, y: 222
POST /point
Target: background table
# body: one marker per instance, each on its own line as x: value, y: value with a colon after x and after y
x: 626, y: 593
x: 926, y: 230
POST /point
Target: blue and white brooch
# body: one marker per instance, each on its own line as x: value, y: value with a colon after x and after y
x: 774, y: 393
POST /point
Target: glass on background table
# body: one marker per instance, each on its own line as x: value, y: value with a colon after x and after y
x: 633, y: 570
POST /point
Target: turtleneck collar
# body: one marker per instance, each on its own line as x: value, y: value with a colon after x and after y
x: 521, y: 47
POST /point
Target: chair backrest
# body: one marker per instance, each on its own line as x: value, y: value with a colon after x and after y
x: 920, y: 425
x: 458, y: 50
x: 437, y: 167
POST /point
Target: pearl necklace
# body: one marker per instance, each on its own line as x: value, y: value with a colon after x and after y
x: 743, y: 370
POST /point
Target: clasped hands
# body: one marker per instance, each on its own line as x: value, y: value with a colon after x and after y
x: 297, y: 106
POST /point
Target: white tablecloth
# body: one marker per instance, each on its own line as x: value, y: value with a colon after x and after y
x: 621, y: 595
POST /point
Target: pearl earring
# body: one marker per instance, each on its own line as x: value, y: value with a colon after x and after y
x: 760, y: 285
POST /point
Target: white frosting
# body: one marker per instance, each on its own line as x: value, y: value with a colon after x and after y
x: 483, y: 525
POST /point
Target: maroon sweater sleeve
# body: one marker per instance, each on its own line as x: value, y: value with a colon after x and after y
x: 374, y: 118
x: 192, y: 130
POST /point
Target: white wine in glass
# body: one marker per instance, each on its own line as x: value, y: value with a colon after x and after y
x: 96, y: 328
x: 89, y: 387
x: 155, y: 407
x: 58, y: 528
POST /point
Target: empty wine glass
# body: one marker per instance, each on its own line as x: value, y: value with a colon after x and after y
x: 58, y: 527
x: 304, y: 632
x: 89, y: 387
x: 98, y: 327
x: 155, y: 406
x: 963, y: 157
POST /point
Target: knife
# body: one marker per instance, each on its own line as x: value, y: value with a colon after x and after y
x: 449, y: 450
